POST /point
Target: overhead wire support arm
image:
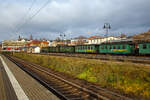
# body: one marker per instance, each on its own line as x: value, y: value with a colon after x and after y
x: 107, y: 27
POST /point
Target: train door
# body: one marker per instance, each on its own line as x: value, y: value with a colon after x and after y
x: 136, y: 49
x: 97, y: 48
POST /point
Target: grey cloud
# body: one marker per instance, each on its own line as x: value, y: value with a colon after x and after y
x: 78, y: 17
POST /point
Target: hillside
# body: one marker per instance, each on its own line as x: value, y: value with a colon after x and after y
x: 142, y: 36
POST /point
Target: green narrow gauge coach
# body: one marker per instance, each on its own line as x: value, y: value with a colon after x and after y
x: 67, y: 49
x: 86, y: 49
x: 120, y: 47
x: 117, y: 48
x: 144, y: 48
x: 45, y: 50
x: 50, y: 49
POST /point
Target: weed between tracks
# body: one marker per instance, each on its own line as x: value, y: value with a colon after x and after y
x: 127, y: 77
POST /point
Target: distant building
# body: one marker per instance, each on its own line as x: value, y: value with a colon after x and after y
x: 50, y: 43
x: 13, y: 45
x: 60, y: 42
x: 44, y: 43
x: 0, y: 46
x: 33, y: 49
x: 31, y: 38
x: 22, y: 39
x: 19, y: 38
x: 38, y: 43
x: 99, y: 40
x: 33, y: 43
x: 79, y: 40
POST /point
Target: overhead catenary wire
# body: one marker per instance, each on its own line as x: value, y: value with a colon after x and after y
x: 29, y: 9
x: 30, y: 18
x: 24, y: 17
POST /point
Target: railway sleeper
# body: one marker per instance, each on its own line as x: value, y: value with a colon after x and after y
x: 73, y: 96
x: 76, y: 96
x: 53, y: 83
x: 81, y: 94
x: 81, y: 99
x: 58, y: 81
x: 61, y: 86
x: 63, y: 89
x: 74, y: 91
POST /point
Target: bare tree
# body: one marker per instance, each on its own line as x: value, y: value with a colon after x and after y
x: 123, y: 35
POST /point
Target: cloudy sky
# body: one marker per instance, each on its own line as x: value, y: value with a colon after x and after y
x: 49, y: 18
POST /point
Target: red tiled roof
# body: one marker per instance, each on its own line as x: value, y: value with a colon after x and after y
x: 95, y: 37
x: 45, y: 42
x: 35, y: 42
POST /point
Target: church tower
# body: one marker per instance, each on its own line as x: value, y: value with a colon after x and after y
x: 19, y: 38
x: 31, y: 38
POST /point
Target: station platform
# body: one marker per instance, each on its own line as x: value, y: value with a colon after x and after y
x: 15, y: 84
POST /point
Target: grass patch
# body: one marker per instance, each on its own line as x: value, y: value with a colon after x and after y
x: 127, y: 77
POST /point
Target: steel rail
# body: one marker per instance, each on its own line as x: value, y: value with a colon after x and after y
x: 134, y: 59
x: 60, y: 95
x: 90, y: 92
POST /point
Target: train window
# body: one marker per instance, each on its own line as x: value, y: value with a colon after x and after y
x: 83, y: 47
x: 114, y: 47
x: 119, y: 47
x: 123, y: 47
x: 105, y: 46
x: 89, y: 47
x: 102, y: 47
x: 110, y: 47
x: 144, y: 46
x: 86, y: 47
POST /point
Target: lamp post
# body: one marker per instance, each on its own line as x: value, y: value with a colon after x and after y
x: 107, y: 27
x: 62, y: 36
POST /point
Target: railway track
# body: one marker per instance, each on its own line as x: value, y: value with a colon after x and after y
x: 134, y: 59
x: 64, y: 87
